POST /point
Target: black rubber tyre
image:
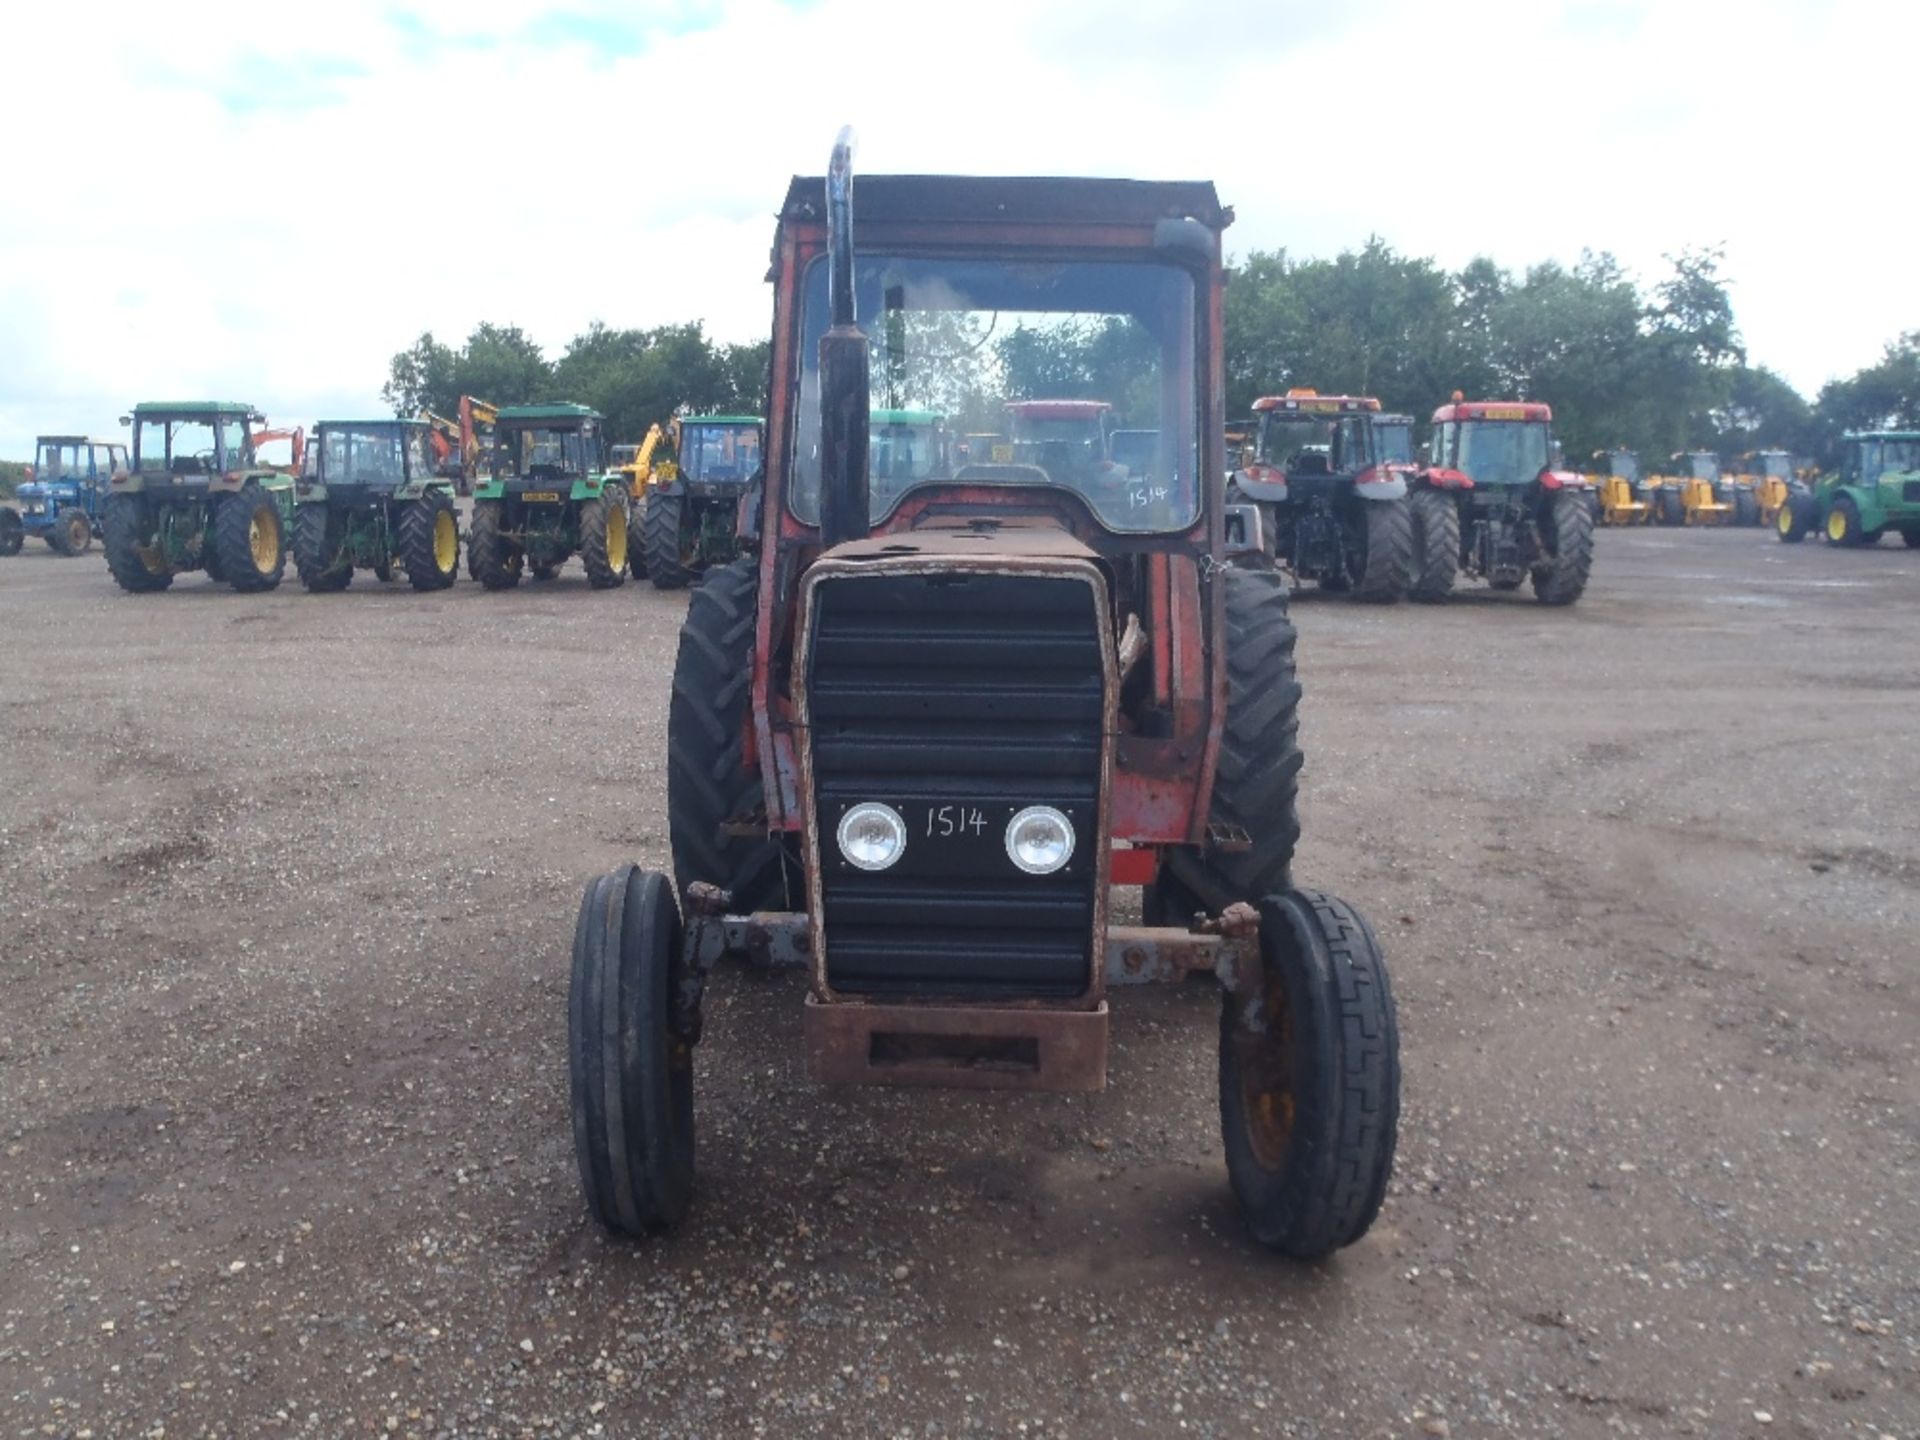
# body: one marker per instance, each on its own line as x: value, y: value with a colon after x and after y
x: 129, y: 526
x: 630, y: 1075
x: 1389, y: 560
x: 12, y: 533
x: 637, y: 536
x: 1669, y: 506
x: 492, y: 559
x: 250, y: 540
x: 427, y: 541
x: 1796, y: 519
x: 1436, y: 544
x: 1746, y: 507
x: 660, y: 538
x: 318, y: 531
x: 1167, y: 902
x: 1257, y: 779
x: 708, y: 782
x: 1910, y: 536
x: 72, y: 532
x: 1843, y: 524
x: 603, y: 539
x: 1568, y: 532
x: 1310, y: 1078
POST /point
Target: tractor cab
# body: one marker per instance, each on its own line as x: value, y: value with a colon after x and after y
x: 1393, y: 439
x: 1873, y: 459
x: 719, y: 453
x: 539, y: 444
x: 1067, y: 442
x: 1307, y: 436
x: 188, y: 445
x: 367, y: 455
x: 1499, y: 447
x: 62, y: 499
x: 908, y: 446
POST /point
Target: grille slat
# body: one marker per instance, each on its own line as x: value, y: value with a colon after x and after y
x: 968, y: 690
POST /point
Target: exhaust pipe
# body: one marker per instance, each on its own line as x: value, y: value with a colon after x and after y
x: 845, y: 395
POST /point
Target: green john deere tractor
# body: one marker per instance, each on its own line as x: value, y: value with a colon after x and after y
x: 197, y: 498
x: 1876, y: 489
x: 692, y: 502
x: 550, y: 497
x: 368, y: 499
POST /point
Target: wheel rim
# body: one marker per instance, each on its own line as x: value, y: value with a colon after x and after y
x: 1266, y: 1083
x: 446, y: 542
x: 263, y: 537
x: 1837, y: 525
x: 77, y: 532
x: 1784, y: 520
x: 617, y: 537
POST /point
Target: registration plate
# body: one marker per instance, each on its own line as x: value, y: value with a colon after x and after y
x: 550, y: 497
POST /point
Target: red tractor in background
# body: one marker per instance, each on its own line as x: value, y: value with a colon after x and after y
x: 917, y: 741
x: 1490, y: 503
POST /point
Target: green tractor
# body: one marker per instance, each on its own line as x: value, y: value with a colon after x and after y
x: 906, y: 447
x: 550, y: 496
x: 197, y: 498
x: 1876, y: 489
x: 692, y: 505
x: 368, y: 498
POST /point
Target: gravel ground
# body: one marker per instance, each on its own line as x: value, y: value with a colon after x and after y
x: 286, y: 890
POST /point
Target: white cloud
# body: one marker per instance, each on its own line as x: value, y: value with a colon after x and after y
x: 265, y: 202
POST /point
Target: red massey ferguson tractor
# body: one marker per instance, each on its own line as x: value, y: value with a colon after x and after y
x: 1490, y: 502
x: 917, y: 743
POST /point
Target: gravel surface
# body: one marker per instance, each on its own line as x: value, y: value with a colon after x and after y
x: 286, y: 890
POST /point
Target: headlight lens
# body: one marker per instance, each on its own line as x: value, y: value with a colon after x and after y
x: 872, y: 836
x: 1040, y: 840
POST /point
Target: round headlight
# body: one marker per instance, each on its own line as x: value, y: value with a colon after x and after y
x: 1040, y: 840
x: 872, y: 836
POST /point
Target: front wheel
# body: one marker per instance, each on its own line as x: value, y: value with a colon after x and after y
x: 249, y: 540
x: 1310, y: 1078
x: 1746, y: 508
x: 1843, y: 523
x: 1669, y: 506
x: 1436, y: 544
x: 428, y: 541
x: 603, y: 539
x: 629, y: 1068
x: 1568, y: 535
x: 660, y: 537
x: 1796, y: 519
x: 72, y: 532
x: 1387, y: 567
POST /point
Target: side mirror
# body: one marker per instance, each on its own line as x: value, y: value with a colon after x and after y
x: 1246, y: 534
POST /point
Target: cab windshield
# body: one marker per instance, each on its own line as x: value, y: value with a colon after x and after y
x: 543, y: 451
x: 1891, y: 457
x: 174, y: 447
x: 54, y: 461
x: 358, y: 456
x: 1502, y: 452
x: 971, y: 339
x: 1305, y: 444
x: 1624, y: 464
x: 1394, y: 444
x: 905, y: 451
x: 1776, y: 465
x: 719, y: 452
x: 1703, y: 467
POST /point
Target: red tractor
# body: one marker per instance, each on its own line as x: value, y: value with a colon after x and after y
x: 918, y: 741
x: 1491, y: 503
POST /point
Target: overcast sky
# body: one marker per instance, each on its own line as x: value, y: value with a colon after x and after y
x: 263, y: 202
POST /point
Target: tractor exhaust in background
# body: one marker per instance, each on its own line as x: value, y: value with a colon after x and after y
x: 844, y: 382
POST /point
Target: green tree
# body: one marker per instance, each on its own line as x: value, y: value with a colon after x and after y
x: 421, y: 377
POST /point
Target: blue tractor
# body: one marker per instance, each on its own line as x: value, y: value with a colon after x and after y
x: 62, y: 502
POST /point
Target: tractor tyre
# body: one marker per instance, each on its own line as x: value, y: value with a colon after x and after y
x: 1910, y: 536
x: 249, y: 540
x: 1843, y: 523
x: 1669, y: 506
x: 603, y: 539
x: 630, y: 1074
x: 637, y: 536
x: 318, y: 533
x: 1310, y: 1077
x: 129, y: 526
x: 1251, y: 821
x: 660, y: 539
x: 12, y: 533
x: 1388, y: 568
x: 72, y: 533
x: 427, y: 541
x: 1436, y: 544
x: 492, y: 559
x: 1562, y: 577
x: 1167, y: 902
x: 1797, y: 518
x: 1746, y: 508
x: 708, y: 780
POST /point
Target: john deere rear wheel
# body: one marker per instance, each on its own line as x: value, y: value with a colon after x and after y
x: 1387, y: 567
x: 1568, y: 535
x: 492, y: 559
x: 1436, y: 544
x: 1252, y: 824
x: 603, y: 539
x: 660, y: 537
x: 318, y: 534
x: 428, y: 541
x: 130, y: 547
x: 248, y: 538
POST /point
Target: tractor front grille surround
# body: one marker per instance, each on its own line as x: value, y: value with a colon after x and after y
x: 959, y: 697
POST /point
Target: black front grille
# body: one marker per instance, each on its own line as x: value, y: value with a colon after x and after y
x: 959, y: 699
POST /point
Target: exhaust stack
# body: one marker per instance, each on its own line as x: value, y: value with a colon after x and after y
x: 845, y: 395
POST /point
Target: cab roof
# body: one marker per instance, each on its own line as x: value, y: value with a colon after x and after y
x: 907, y: 417
x: 1530, y: 411
x: 384, y: 422
x: 1058, y: 409
x: 937, y: 199
x: 40, y: 440
x: 1308, y: 403
x: 196, y: 407
x: 554, y: 411
x: 1882, y: 435
x: 719, y: 420
x: 1392, y: 419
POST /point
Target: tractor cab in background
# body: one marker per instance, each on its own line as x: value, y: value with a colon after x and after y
x: 1618, y: 488
x: 63, y: 500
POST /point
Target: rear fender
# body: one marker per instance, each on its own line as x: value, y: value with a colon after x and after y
x: 1551, y: 480
x: 1440, y: 478
x: 494, y: 489
x: 1380, y: 483
x: 588, y: 487
x: 1263, y: 483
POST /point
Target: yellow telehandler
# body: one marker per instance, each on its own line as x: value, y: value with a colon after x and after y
x: 1616, y: 482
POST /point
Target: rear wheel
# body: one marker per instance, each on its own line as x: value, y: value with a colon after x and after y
x: 1910, y: 536
x: 428, y: 541
x: 660, y: 537
x: 248, y: 538
x: 630, y: 1074
x: 1387, y: 567
x: 1746, y: 508
x: 708, y: 780
x: 1669, y: 506
x: 1568, y: 535
x: 72, y: 532
x: 12, y: 533
x: 1843, y: 523
x: 319, y: 533
x: 603, y: 539
x: 131, y: 553
x: 1436, y: 544
x: 492, y: 559
x: 1251, y: 824
x: 1310, y: 1078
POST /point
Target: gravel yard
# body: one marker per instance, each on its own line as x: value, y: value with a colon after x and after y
x: 287, y: 886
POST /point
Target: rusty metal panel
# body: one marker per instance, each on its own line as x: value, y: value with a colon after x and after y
x: 957, y: 1047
